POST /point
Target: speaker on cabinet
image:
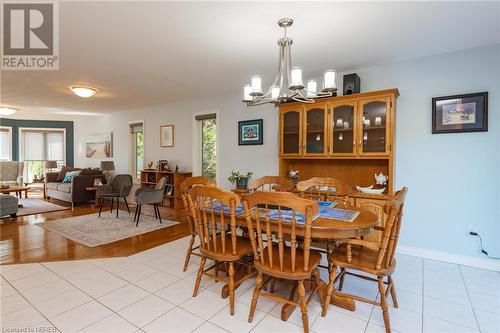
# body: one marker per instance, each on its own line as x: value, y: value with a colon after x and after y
x: 352, y: 84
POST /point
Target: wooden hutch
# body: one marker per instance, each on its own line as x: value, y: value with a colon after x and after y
x: 350, y: 138
x: 172, y: 194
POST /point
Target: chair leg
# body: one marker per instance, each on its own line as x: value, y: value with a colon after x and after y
x: 273, y: 285
x: 231, y: 288
x: 329, y: 289
x: 158, y: 212
x: 198, y: 277
x: 383, y: 303
x: 135, y: 213
x: 256, y: 292
x: 138, y: 215
x: 117, y: 205
x: 112, y: 202
x: 393, y: 291
x: 126, y: 204
x: 342, y: 276
x: 303, y: 306
x: 100, y: 206
x: 188, y: 254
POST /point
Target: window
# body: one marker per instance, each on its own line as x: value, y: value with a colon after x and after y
x: 208, y: 144
x: 5, y: 143
x: 39, y: 145
x: 137, y: 132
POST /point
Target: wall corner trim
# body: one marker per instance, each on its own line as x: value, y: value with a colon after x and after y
x: 483, y: 263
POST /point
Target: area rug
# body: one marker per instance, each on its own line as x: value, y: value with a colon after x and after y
x: 36, y: 206
x: 92, y: 231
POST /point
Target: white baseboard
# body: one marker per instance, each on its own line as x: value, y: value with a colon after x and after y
x: 484, y: 263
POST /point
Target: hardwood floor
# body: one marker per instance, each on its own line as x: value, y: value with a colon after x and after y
x: 21, y: 241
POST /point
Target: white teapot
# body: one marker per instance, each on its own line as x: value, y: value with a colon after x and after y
x: 381, y: 179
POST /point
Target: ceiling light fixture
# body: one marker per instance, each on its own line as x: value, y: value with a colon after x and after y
x: 288, y: 85
x: 84, y: 92
x: 5, y: 111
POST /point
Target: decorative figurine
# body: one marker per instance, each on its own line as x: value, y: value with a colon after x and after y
x: 381, y: 179
x: 150, y: 165
x: 176, y: 168
x: 294, y: 175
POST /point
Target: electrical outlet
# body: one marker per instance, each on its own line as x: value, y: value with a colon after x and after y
x: 471, y: 229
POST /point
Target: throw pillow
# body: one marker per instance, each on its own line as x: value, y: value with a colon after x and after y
x: 90, y: 172
x: 62, y: 173
x: 70, y: 175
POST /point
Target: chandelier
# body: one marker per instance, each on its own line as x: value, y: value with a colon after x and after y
x: 288, y: 85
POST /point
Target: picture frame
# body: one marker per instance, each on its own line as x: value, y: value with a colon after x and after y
x: 99, y: 145
x: 460, y: 113
x: 251, y: 132
x: 167, y: 136
x: 162, y: 164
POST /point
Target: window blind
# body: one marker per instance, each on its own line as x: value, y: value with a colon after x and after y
x: 206, y: 116
x: 43, y: 145
x: 136, y: 128
x: 4, y: 144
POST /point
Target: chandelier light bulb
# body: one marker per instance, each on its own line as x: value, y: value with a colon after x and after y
x: 312, y: 87
x: 329, y: 80
x: 256, y: 85
x: 246, y: 93
x: 296, y: 80
x: 275, y: 92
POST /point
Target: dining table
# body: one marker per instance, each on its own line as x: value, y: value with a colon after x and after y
x: 326, y: 231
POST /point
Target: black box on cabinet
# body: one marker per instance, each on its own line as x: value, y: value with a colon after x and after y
x: 352, y: 84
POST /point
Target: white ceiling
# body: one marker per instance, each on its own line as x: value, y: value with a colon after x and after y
x: 140, y: 54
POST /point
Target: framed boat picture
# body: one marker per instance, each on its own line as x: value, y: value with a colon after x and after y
x: 250, y: 132
x: 460, y: 113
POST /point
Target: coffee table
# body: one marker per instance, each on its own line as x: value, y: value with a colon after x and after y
x: 16, y: 189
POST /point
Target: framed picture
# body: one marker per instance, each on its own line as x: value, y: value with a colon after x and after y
x: 250, y: 132
x: 460, y: 113
x: 163, y: 165
x: 99, y: 145
x: 167, y: 136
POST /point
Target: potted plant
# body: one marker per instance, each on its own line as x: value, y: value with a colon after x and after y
x: 241, y: 180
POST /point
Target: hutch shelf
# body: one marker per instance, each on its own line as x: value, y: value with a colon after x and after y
x: 172, y: 195
x: 350, y: 138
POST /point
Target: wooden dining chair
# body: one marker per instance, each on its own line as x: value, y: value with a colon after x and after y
x: 272, y: 183
x: 186, y: 185
x: 218, y: 235
x: 324, y: 189
x: 278, y: 259
x: 374, y: 258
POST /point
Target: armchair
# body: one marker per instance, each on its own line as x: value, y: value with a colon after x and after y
x: 150, y: 196
x: 119, y: 187
x: 11, y: 172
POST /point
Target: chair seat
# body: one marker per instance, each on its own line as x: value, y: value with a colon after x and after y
x: 286, y: 272
x: 244, y: 247
x: 109, y: 194
x: 363, y: 259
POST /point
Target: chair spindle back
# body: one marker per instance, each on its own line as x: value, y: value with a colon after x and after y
x: 325, y: 189
x: 262, y: 226
x: 187, y: 185
x: 272, y: 183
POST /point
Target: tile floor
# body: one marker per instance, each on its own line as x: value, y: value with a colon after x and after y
x: 148, y: 292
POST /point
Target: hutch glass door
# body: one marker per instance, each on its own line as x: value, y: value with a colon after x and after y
x: 291, y: 137
x: 343, y: 124
x: 374, y: 123
x: 315, y: 141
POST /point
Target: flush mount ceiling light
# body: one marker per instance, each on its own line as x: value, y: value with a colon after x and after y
x: 288, y: 85
x: 5, y: 111
x: 84, y: 92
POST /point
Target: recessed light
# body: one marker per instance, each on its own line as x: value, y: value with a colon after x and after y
x: 84, y: 92
x: 5, y: 111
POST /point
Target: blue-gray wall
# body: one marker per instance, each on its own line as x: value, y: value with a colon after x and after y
x: 16, y: 124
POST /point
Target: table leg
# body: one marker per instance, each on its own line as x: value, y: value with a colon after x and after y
x: 96, y: 202
x: 26, y: 193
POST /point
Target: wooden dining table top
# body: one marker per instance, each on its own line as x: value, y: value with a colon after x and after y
x: 325, y: 228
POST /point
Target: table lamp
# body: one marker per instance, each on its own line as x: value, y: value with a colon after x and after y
x: 107, y: 165
x: 50, y: 165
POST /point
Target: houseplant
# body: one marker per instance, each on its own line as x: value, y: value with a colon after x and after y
x: 240, y: 179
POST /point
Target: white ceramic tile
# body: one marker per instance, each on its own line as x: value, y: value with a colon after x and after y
x: 372, y: 328
x: 111, y: 324
x: 488, y: 321
x: 401, y: 320
x: 205, y: 304
x: 456, y: 313
x: 88, y: 276
x: 114, y: 265
x: 123, y: 297
x: 176, y: 320
x: 100, y: 287
x: 16, y: 272
x: 406, y: 300
x: 485, y: 302
x: 239, y: 321
x: 177, y: 292
x: 263, y: 303
x: 446, y: 292
x: 145, y: 310
x: 47, y: 291
x: 206, y: 282
x: 12, y: 303
x: 140, y: 271
x: 482, y: 286
x: 68, y: 268
x: 444, y: 277
x: 313, y: 311
x: 480, y: 274
x: 432, y: 325
x: 363, y: 310
x: 80, y: 317
x: 61, y: 303
x: 208, y: 327
x: 34, y: 281
x: 433, y: 265
x: 6, y: 289
x: 157, y: 281
x: 408, y: 281
x: 272, y: 324
x: 27, y: 317
x: 176, y: 268
x: 338, y: 322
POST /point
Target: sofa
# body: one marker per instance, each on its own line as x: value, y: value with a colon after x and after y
x: 74, y: 192
x: 11, y: 173
x: 8, y: 205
